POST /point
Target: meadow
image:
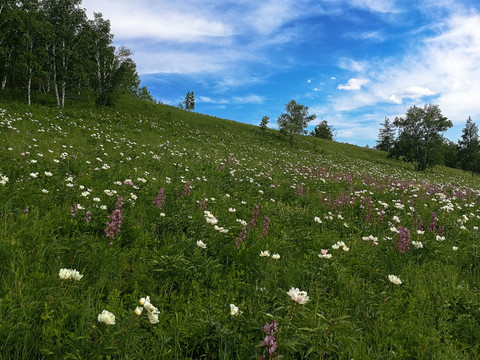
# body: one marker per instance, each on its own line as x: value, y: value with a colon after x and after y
x: 147, y: 232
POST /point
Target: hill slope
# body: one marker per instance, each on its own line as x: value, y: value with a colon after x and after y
x: 125, y: 196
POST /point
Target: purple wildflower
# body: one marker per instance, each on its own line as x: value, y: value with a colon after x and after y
x: 266, y: 225
x: 74, y: 210
x: 403, y: 241
x: 269, y: 342
x: 88, y: 217
x: 160, y: 199
x: 116, y: 218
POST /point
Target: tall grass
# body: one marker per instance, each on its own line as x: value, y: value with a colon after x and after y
x: 67, y: 170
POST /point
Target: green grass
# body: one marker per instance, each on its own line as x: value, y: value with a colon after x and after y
x: 353, y: 312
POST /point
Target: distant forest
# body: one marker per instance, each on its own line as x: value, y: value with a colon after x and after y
x: 50, y: 47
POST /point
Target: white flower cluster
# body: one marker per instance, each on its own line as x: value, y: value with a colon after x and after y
x: 317, y: 220
x: 266, y: 253
x: 106, y: 317
x: 324, y: 254
x: 69, y: 274
x: 242, y: 222
x: 3, y: 179
x: 298, y: 296
x: 417, y: 244
x: 201, y: 244
x: 394, y: 279
x: 340, y: 244
x: 210, y: 218
x: 152, y: 311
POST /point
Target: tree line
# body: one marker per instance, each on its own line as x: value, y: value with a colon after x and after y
x: 417, y: 138
x: 50, y: 46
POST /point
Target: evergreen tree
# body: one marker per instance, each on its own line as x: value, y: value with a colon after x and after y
x: 323, y: 131
x: 295, y: 120
x: 386, y: 136
x: 469, y: 147
x: 264, y: 123
x: 189, y: 101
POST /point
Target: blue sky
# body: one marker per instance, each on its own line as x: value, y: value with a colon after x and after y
x: 351, y: 62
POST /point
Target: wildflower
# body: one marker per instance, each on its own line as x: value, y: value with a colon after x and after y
x: 298, y: 296
x: 417, y: 244
x: 234, y: 310
x: 138, y: 310
x: 88, y: 217
x: 113, y: 226
x: 324, y: 254
x: 142, y: 301
x: 106, y: 317
x: 270, y: 342
x: 201, y: 244
x: 3, y: 179
x: 317, y: 220
x: 33, y: 175
x: 265, y: 253
x: 275, y: 256
x: 66, y: 274
x: 160, y: 199
x: 403, y: 241
x: 266, y: 225
x: 232, y: 210
x: 45, y: 191
x: 48, y: 173
x: 394, y: 279
x: 454, y: 248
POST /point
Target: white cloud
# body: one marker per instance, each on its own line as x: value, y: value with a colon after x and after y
x: 442, y: 69
x: 381, y: 6
x: 249, y: 99
x: 159, y: 20
x: 352, y: 65
x: 353, y: 84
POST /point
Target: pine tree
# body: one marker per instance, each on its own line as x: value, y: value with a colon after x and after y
x: 469, y: 147
x: 264, y: 123
x: 386, y: 136
x: 189, y: 101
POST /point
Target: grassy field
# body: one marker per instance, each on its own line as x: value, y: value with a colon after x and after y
x: 245, y: 246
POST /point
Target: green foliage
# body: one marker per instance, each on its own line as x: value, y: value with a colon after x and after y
x: 264, y: 123
x: 51, y: 48
x: 419, y: 136
x: 83, y: 159
x: 469, y: 147
x: 189, y: 101
x: 295, y: 120
x: 323, y: 131
x: 386, y: 136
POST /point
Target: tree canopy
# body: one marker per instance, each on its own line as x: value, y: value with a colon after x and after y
x: 419, y: 136
x: 295, y: 120
x: 322, y: 131
x: 51, y: 46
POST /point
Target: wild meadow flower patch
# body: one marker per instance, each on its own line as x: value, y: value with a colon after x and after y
x: 249, y: 248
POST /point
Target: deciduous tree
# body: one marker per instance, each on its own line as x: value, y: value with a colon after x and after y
x: 295, y: 120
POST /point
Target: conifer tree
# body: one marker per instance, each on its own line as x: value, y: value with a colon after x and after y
x: 469, y: 147
x: 386, y: 136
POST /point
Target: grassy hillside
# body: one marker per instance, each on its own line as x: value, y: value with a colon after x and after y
x: 148, y: 200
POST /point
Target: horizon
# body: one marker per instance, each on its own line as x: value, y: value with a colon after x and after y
x: 353, y: 63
